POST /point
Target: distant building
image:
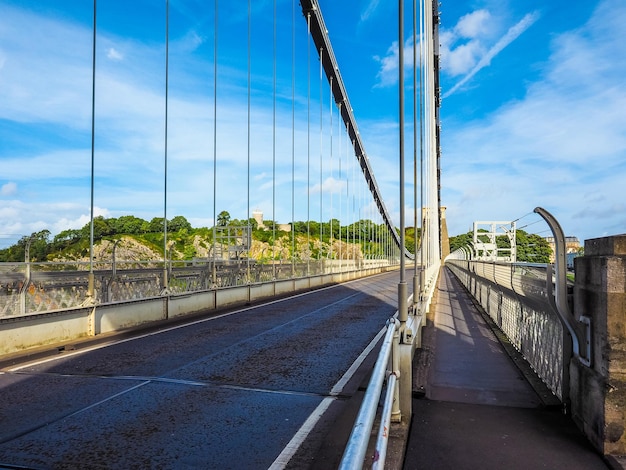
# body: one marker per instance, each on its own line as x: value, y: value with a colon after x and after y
x: 258, y: 216
x: 572, y: 246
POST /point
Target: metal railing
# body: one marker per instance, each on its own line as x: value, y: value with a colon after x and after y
x: 356, y: 449
x: 518, y: 298
x: 393, y: 366
x: 27, y: 288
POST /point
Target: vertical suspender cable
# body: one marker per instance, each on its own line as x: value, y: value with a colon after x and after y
x: 354, y: 224
x: 415, y: 240
x: 308, y: 145
x: 249, y: 234
x: 90, y: 289
x: 360, y: 205
x: 215, y: 37
x: 421, y: 119
x: 330, y: 237
x: 402, y: 288
x: 339, y: 181
x: 274, y: 154
x: 319, y: 255
x: 167, y: 64
x: 293, y: 135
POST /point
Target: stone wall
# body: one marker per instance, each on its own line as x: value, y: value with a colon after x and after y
x: 598, y: 393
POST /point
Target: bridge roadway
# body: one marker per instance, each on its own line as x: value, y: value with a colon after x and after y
x: 242, y: 389
x: 277, y: 386
x: 479, y: 409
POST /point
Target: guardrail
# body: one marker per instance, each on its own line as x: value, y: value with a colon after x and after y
x: 27, y: 288
x: 393, y: 365
x: 355, y: 451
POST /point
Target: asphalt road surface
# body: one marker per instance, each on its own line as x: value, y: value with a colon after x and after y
x: 260, y: 387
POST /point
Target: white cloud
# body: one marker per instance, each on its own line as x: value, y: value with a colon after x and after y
x: 8, y: 189
x: 189, y: 42
x: 78, y: 222
x: 462, y: 46
x: 462, y: 58
x: 388, y: 73
x: 483, y: 61
x: 53, y: 216
x: 369, y: 10
x: 114, y: 54
x: 473, y: 24
x: 330, y: 185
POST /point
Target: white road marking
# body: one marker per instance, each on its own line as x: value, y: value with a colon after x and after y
x: 296, y: 441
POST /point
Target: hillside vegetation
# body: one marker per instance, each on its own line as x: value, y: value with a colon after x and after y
x: 136, y: 239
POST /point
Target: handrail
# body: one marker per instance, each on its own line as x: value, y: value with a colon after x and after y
x: 385, y: 421
x: 560, y: 291
x: 356, y: 449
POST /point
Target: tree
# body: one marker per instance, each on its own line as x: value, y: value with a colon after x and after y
x: 178, y: 223
x: 223, y: 218
x: 156, y: 225
x: 299, y: 227
x: 532, y: 248
x: 254, y: 225
x: 129, y: 224
x: 459, y: 241
x: 101, y: 228
x: 65, y: 239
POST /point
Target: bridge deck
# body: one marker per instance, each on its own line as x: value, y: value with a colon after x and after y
x: 479, y: 411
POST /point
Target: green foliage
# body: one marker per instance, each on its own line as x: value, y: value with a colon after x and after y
x: 459, y: 241
x: 130, y: 224
x: 178, y: 223
x: 75, y: 243
x: 409, y: 238
x: 223, y: 219
x: 532, y: 248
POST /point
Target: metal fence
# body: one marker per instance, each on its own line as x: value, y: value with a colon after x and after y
x: 519, y: 298
x: 27, y: 288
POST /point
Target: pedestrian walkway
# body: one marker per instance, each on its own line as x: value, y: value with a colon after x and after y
x: 478, y: 410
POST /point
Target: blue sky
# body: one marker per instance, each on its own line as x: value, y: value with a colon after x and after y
x: 534, y: 112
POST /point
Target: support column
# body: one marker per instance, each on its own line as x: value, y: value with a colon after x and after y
x: 598, y: 393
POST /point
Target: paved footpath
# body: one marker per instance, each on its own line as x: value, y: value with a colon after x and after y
x: 479, y: 412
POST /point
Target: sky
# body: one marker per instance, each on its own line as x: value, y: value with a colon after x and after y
x: 533, y: 113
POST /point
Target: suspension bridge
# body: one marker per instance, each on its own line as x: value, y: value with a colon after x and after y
x: 340, y: 346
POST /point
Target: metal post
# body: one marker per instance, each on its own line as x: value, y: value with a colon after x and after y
x: 113, y: 264
x: 560, y: 294
x: 382, y: 440
x: 356, y: 449
x: 90, y: 286
x: 402, y: 287
x: 167, y: 56
x: 396, y: 415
